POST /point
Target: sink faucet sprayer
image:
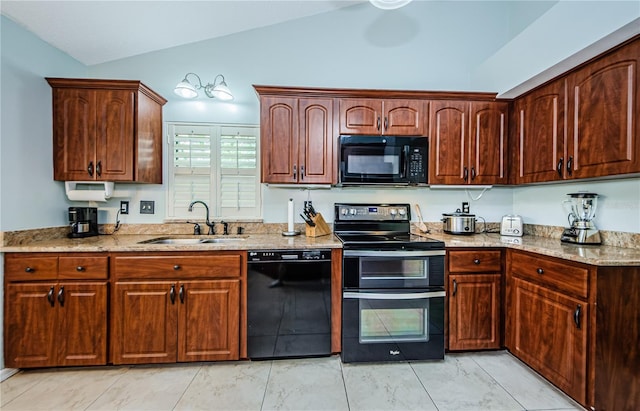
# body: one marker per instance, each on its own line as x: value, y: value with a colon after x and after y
x: 210, y: 224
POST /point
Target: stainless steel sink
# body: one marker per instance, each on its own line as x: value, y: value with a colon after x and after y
x: 178, y: 241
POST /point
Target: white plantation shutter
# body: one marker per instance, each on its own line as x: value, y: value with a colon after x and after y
x: 217, y: 164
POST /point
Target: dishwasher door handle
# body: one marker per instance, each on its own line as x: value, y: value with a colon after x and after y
x: 392, y: 296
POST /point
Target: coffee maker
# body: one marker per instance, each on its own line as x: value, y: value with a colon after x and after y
x: 582, y: 210
x: 83, y: 222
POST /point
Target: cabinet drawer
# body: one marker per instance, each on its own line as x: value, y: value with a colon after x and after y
x: 81, y: 268
x: 564, y: 277
x: 26, y: 268
x: 475, y: 261
x: 177, y: 266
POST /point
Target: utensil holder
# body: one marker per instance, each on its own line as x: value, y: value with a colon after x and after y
x: 321, y: 228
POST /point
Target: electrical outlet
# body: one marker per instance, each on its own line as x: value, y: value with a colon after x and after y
x: 124, y: 207
x: 147, y: 207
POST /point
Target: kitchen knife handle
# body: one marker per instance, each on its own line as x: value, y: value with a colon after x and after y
x: 181, y: 293
x: 455, y: 287
x: 61, y: 296
x: 50, y: 298
x: 172, y: 294
x: 90, y: 169
x: 576, y: 316
x: 570, y: 166
x: 559, y: 166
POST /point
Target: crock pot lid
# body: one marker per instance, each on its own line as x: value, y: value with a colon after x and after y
x: 458, y: 215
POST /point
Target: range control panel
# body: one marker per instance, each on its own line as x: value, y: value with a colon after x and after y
x: 378, y: 212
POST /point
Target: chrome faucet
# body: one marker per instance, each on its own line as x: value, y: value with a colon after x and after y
x: 209, y: 224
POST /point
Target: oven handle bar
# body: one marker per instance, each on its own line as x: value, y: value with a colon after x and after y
x: 388, y: 253
x: 392, y: 296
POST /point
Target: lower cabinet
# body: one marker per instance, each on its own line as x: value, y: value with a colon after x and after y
x: 186, y: 317
x: 49, y: 322
x: 474, y: 290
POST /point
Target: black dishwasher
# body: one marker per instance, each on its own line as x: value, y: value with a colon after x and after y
x: 289, y: 303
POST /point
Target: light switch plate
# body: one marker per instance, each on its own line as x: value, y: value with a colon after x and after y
x: 147, y: 207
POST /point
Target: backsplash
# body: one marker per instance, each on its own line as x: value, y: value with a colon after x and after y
x: 10, y: 238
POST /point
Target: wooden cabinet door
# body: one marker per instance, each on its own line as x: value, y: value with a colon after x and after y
x: 316, y: 141
x: 540, y: 119
x: 82, y: 335
x: 279, y: 139
x: 144, y: 322
x: 74, y: 134
x: 360, y: 116
x: 30, y: 326
x: 488, y: 143
x: 405, y: 117
x: 603, y: 125
x: 449, y: 153
x: 114, y: 135
x: 474, y: 311
x: 209, y: 320
x: 549, y: 332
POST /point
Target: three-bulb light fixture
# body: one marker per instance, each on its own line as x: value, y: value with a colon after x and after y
x: 187, y: 89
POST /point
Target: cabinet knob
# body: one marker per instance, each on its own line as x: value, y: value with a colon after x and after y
x: 176, y: 267
x: 80, y: 268
x: 30, y: 270
x: 540, y: 271
x: 476, y: 261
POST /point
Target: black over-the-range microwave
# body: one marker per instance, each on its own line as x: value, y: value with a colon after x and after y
x: 384, y: 160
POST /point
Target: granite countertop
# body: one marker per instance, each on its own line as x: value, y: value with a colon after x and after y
x: 595, y: 255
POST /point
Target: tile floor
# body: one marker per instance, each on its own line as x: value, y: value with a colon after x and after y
x: 477, y: 381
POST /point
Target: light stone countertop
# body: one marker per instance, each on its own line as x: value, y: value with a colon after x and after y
x: 595, y: 255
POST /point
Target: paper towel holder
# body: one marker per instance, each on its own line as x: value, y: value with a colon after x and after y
x: 82, y: 191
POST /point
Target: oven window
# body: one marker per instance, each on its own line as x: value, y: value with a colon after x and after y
x: 373, y: 164
x: 382, y: 322
x: 393, y: 269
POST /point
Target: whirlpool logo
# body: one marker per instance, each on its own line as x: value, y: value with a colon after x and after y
x: 394, y: 352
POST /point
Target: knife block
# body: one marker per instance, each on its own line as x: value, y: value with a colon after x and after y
x: 321, y: 228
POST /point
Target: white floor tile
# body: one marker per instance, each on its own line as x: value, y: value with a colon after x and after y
x: 227, y: 386
x: 388, y: 386
x: 306, y: 384
x: 458, y: 383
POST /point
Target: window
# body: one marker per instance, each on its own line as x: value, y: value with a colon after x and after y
x: 217, y: 164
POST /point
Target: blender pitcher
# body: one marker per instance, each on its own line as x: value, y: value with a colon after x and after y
x: 581, y: 208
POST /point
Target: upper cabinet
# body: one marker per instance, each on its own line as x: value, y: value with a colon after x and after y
x: 296, y: 137
x: 468, y: 142
x: 389, y: 117
x: 108, y: 130
x: 581, y: 125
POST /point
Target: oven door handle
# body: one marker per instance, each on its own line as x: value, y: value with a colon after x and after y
x: 388, y: 253
x: 392, y: 296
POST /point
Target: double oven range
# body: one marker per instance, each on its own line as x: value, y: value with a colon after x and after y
x: 393, y: 285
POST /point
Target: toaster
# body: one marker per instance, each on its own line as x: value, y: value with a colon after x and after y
x: 511, y: 225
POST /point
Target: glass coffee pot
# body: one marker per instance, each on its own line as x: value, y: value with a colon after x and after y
x: 581, y: 208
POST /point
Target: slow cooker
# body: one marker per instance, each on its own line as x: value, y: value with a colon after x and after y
x: 459, y: 223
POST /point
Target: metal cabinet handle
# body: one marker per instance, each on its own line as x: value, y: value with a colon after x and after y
x: 476, y: 261
x: 302, y: 172
x: 30, y: 270
x: 90, y: 169
x: 386, y: 123
x: 295, y: 172
x: 455, y: 287
x: 50, y: 298
x: 559, y: 166
x: 465, y: 174
x: 99, y: 168
x: 80, y: 268
x: 172, y: 293
x: 61, y: 296
x: 181, y: 293
x: 176, y: 267
x: 576, y: 316
x: 378, y: 123
x: 570, y: 166
x: 540, y: 271
x: 473, y: 173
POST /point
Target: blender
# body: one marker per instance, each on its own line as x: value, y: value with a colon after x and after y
x: 582, y: 210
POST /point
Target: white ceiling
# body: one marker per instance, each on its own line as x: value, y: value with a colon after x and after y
x: 94, y: 31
